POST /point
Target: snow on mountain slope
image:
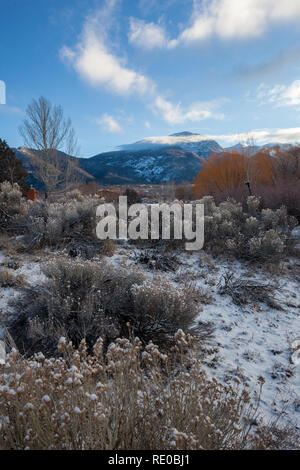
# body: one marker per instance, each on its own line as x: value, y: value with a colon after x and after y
x: 153, y: 160
x: 198, y: 143
x: 252, y: 149
x: 177, y: 157
x: 144, y: 166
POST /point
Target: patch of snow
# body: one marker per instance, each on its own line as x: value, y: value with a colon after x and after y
x: 32, y: 272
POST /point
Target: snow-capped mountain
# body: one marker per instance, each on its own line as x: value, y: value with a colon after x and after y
x: 177, y: 157
x: 198, y: 143
x: 144, y: 166
x: 252, y: 149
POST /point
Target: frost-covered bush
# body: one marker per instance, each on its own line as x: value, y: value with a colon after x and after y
x: 74, y: 195
x: 10, y: 194
x: 227, y: 228
x: 231, y: 209
x: 12, y: 205
x: 47, y: 223
x: 209, y: 205
x: 9, y: 279
x: 253, y: 204
x: 159, y: 308
x: 134, y: 398
x: 251, y: 226
x: 252, y: 234
x: 267, y: 244
x: 244, y: 233
x: 84, y: 300
x: 55, y: 223
x: 277, y: 219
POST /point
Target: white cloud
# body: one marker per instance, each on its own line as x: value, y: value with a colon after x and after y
x: 149, y: 35
x: 259, y: 136
x: 262, y: 136
x: 227, y: 19
x: 99, y: 67
x: 235, y: 19
x: 147, y: 124
x: 176, y: 114
x: 66, y: 54
x: 109, y: 123
x: 280, y: 95
x: 146, y: 35
x: 290, y: 96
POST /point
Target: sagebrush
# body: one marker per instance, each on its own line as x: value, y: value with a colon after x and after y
x: 132, y: 399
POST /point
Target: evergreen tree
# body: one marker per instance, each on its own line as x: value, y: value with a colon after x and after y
x: 10, y: 167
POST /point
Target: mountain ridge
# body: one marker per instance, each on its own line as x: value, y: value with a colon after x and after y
x: 154, y: 160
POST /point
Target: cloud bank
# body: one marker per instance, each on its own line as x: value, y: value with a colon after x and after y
x: 263, y: 136
x: 280, y: 95
x: 258, y: 136
x: 176, y: 114
x: 226, y: 19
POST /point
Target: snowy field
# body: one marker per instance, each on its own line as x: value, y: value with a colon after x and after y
x: 251, y: 340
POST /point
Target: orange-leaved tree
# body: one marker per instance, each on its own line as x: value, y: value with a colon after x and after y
x: 221, y: 172
x: 227, y: 171
x: 261, y: 168
x: 287, y: 163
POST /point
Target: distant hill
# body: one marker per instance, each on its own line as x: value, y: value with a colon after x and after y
x: 144, y: 166
x: 255, y: 148
x: 30, y: 158
x: 158, y: 160
x: 154, y: 160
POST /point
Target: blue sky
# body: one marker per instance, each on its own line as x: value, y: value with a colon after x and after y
x: 128, y: 69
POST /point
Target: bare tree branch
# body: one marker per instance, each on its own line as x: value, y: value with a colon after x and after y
x: 46, y: 130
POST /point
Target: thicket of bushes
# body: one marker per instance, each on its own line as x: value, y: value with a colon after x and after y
x: 250, y: 232
x: 121, y: 392
x: 273, y: 175
x: 284, y: 193
x: 43, y: 223
x: 133, y: 398
x: 12, y: 206
x: 87, y: 300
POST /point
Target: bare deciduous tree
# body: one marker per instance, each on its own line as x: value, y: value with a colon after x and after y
x: 249, y: 150
x: 46, y: 130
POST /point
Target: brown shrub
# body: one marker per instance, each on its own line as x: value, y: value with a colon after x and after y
x: 109, y: 247
x: 82, y: 299
x: 9, y: 279
x: 134, y: 399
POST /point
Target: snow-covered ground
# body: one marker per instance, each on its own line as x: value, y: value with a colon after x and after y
x: 253, y: 339
x: 30, y: 270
